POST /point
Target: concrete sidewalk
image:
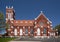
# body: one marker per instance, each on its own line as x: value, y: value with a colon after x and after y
x: 25, y: 41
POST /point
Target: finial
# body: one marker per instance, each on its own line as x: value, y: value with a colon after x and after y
x: 12, y: 7
x: 41, y: 11
x: 6, y: 6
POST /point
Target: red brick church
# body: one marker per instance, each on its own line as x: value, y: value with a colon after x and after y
x: 41, y: 26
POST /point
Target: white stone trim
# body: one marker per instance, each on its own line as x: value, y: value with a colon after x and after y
x: 38, y: 31
x: 11, y: 26
x: 48, y: 32
x: 21, y: 21
x: 21, y: 32
x: 35, y: 22
x: 26, y: 22
x: 11, y: 21
x: 48, y: 26
x: 15, y: 32
x: 41, y: 26
x: 9, y: 29
x: 30, y: 22
x: 47, y: 22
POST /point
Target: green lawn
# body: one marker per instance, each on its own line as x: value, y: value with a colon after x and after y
x: 6, y: 39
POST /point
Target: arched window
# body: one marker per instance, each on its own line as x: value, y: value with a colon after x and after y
x: 26, y: 31
x: 15, y: 32
x: 21, y: 32
x: 31, y: 31
x: 38, y: 31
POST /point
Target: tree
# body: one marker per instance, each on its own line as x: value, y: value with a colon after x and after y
x: 2, y: 20
x: 57, y: 28
x: 2, y: 24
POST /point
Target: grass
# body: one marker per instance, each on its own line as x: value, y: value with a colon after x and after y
x: 6, y: 39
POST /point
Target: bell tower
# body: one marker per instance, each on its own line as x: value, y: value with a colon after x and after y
x: 10, y: 13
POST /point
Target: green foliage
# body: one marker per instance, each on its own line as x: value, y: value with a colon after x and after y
x: 6, y: 39
x: 1, y: 15
x: 2, y: 20
x: 58, y: 29
x: 7, y: 26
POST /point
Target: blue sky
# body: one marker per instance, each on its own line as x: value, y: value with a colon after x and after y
x: 30, y: 9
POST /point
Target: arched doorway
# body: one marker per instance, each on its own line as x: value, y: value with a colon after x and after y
x: 38, y: 31
x: 15, y: 32
x: 21, y: 32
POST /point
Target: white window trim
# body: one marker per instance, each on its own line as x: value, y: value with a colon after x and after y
x: 38, y: 31
x: 21, y: 32
x: 15, y: 32
x: 41, y: 26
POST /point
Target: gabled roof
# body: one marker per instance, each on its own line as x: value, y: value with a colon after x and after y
x: 43, y: 15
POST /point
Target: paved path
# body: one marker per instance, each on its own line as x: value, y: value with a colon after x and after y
x: 52, y: 39
x: 25, y: 41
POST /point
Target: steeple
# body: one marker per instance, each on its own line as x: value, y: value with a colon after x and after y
x: 10, y: 13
